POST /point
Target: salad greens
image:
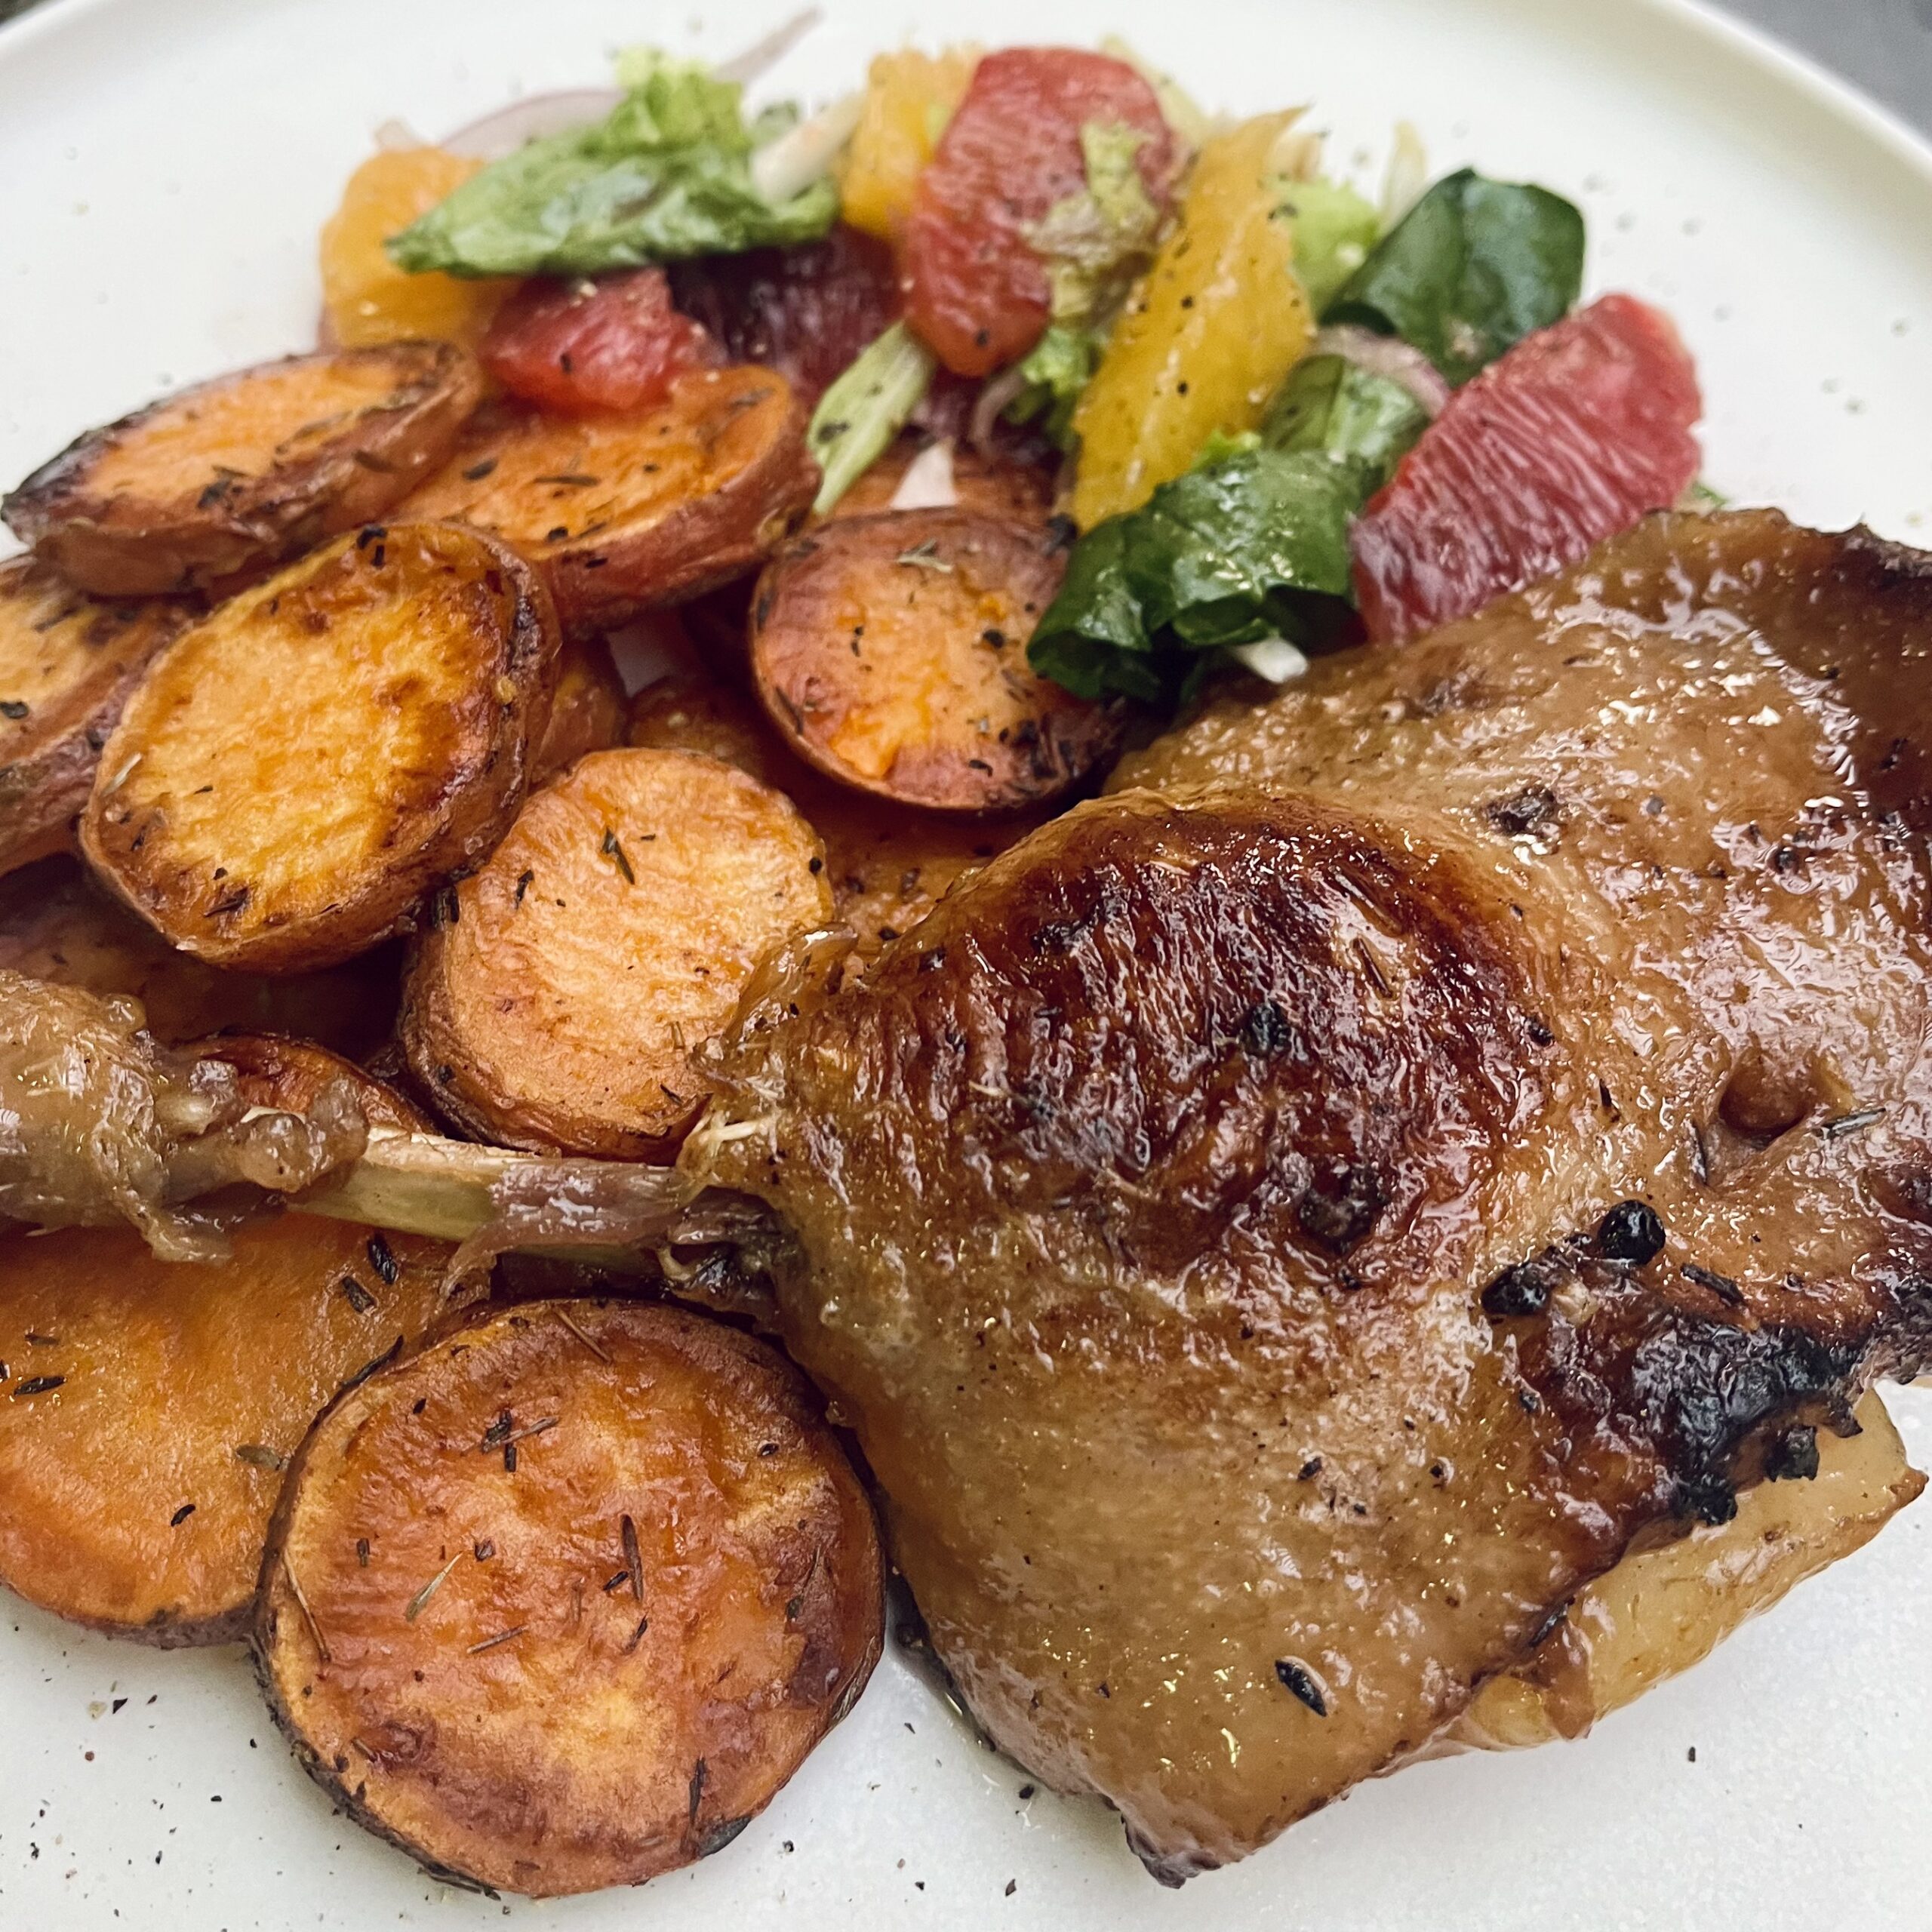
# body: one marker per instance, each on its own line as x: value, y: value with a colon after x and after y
x: 1248, y: 555
x: 1335, y: 229
x: 1094, y: 242
x: 1471, y: 269
x: 1059, y: 366
x: 1250, y: 548
x: 865, y: 408
x: 665, y: 175
x: 1332, y: 405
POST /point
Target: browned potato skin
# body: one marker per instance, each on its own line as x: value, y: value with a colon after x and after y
x: 872, y: 650
x: 889, y: 865
x: 992, y: 486
x: 57, y: 923
x: 430, y: 697
x: 67, y: 663
x: 168, y: 1368
x: 588, y: 712
x: 327, y: 441
x: 682, y: 498
x: 1661, y: 1611
x: 557, y: 1000
x: 647, y: 1707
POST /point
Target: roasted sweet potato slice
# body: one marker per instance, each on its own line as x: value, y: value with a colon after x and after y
x: 147, y: 1407
x: 57, y: 923
x: 889, y: 865
x: 243, y: 472
x: 558, y: 997
x: 891, y: 651
x: 67, y: 663
x: 625, y: 513
x: 561, y: 1602
x: 300, y: 767
x: 587, y: 712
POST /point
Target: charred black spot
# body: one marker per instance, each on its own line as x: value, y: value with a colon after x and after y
x: 1632, y: 1234
x: 1532, y: 810
x: 1791, y: 1455
x: 1523, y: 1289
x: 1340, y: 1207
x: 1722, y: 1286
x: 1552, y: 1621
x: 1707, y: 1496
x: 1302, y: 1683
x: 719, y: 1836
x: 1266, y: 1031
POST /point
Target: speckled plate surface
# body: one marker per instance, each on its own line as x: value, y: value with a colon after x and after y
x: 164, y: 165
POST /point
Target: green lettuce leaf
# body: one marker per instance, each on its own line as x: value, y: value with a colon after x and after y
x: 1474, y: 267
x: 1061, y: 364
x: 865, y: 408
x: 1335, y: 229
x: 1094, y: 242
x: 1330, y: 405
x: 665, y: 175
x: 1248, y: 548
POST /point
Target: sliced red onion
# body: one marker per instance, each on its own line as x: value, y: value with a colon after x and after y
x: 791, y: 163
x: 509, y: 128
x: 1390, y: 357
x: 763, y: 55
x: 996, y: 394
x: 502, y: 131
x: 928, y: 482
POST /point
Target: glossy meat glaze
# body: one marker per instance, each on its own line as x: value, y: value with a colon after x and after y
x: 1201, y: 1217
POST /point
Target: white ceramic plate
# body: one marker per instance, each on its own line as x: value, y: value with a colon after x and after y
x: 164, y: 168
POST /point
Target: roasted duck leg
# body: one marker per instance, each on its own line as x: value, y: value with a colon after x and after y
x: 1282, y: 1231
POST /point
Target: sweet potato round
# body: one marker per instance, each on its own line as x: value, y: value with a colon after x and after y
x: 146, y: 1407
x: 57, y: 923
x: 246, y: 470
x: 625, y: 513
x: 888, y: 864
x: 587, y: 711
x: 67, y: 663
x: 295, y: 771
x: 561, y: 1602
x: 557, y: 999
x: 892, y: 652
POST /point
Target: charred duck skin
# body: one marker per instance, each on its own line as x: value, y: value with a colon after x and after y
x: 1213, y: 1217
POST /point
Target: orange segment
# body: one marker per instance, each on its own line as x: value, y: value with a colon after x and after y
x: 368, y: 300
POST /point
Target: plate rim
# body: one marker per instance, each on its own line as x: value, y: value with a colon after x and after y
x: 1774, y: 58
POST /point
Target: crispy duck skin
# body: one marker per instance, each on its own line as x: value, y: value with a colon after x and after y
x: 1205, y: 1217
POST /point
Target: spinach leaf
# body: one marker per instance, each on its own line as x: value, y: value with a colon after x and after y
x: 1474, y: 267
x: 1251, y: 547
x: 665, y: 175
x: 1331, y: 405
